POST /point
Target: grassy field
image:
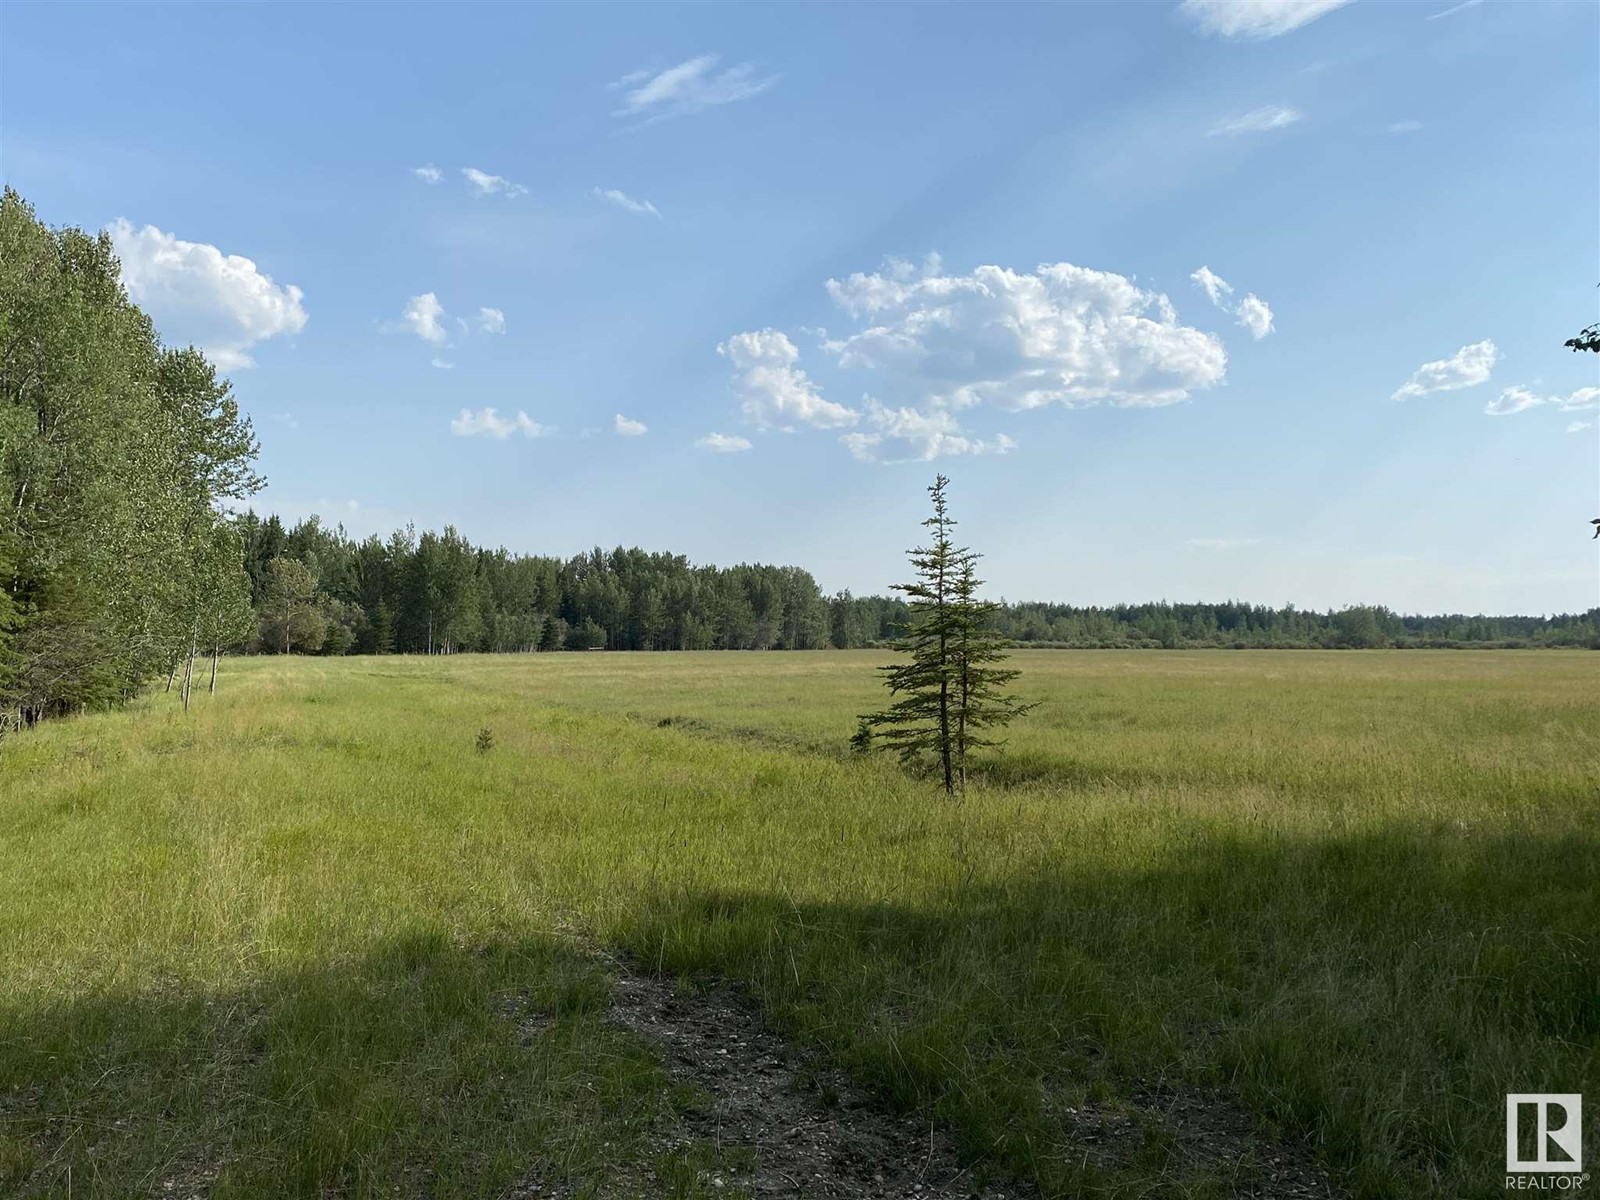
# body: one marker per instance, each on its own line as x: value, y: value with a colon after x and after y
x: 284, y: 945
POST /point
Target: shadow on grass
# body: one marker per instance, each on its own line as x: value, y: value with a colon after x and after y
x: 1369, y: 999
x: 422, y: 1068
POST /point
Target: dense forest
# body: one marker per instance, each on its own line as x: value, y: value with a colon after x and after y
x: 126, y: 555
x: 320, y: 591
x: 117, y: 456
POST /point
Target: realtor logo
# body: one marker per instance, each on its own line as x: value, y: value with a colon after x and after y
x: 1544, y: 1132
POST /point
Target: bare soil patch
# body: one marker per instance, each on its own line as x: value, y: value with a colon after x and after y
x: 781, y: 1124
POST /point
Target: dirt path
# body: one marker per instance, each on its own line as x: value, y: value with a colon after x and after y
x: 793, y: 1130
x: 778, y: 1123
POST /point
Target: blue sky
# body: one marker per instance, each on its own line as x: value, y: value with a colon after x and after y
x: 596, y: 212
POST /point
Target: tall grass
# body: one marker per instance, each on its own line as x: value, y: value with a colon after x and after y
x: 314, y: 934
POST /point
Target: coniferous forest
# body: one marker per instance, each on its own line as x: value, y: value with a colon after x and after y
x: 128, y: 555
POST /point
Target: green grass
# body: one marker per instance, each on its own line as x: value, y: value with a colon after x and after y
x: 308, y: 940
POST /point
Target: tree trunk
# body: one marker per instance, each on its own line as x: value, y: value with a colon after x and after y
x: 188, y: 667
x: 944, y: 694
x: 286, y: 611
x: 216, y: 652
x: 963, y: 700
x: 944, y: 736
x: 173, y: 674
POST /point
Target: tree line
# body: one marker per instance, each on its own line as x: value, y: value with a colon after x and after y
x: 317, y: 590
x: 1240, y: 626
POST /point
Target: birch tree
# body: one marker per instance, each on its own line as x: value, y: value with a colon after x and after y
x: 114, y: 456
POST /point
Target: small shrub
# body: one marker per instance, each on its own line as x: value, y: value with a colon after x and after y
x: 485, y: 740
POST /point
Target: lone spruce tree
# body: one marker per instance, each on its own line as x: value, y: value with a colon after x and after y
x: 950, y: 695
x: 981, y: 703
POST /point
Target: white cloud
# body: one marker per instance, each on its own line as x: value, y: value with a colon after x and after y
x: 1512, y: 400
x: 442, y: 364
x: 1255, y: 19
x: 774, y: 393
x: 690, y: 87
x: 220, y: 302
x: 1062, y: 334
x: 723, y: 443
x: 423, y: 316
x: 1405, y: 127
x: 1259, y: 120
x: 1467, y: 367
x: 1579, y: 426
x: 428, y: 173
x: 1520, y: 398
x: 1453, y: 9
x: 623, y: 200
x: 487, y: 422
x: 1216, y: 288
x: 484, y: 184
x: 628, y: 427
x: 1254, y: 315
x: 1253, y: 312
x: 912, y: 434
